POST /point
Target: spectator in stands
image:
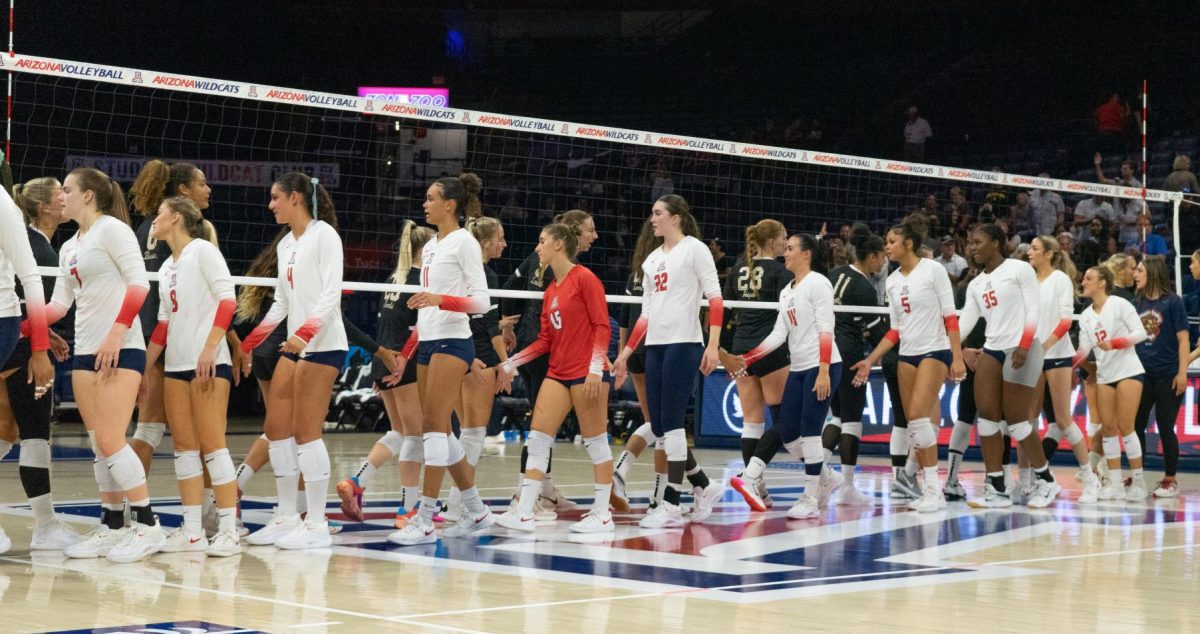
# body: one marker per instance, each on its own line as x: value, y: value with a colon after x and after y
x: 1047, y: 210
x: 1148, y: 242
x: 1014, y: 239
x: 916, y: 131
x: 929, y: 206
x: 1091, y: 249
x: 954, y: 263
x: 1086, y: 211
x: 998, y: 195
x: 1019, y: 215
x: 1127, y: 210
x: 957, y: 212
x: 1181, y: 179
x: 1111, y: 117
x: 1066, y: 243
x: 722, y: 260
x: 844, y: 233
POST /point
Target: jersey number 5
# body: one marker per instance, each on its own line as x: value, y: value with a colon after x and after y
x: 660, y: 282
x: 904, y: 303
x: 989, y: 299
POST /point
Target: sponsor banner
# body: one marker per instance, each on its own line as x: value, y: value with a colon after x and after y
x: 374, y: 103
x: 247, y: 173
x: 439, y: 97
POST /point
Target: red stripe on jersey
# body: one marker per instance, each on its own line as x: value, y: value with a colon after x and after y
x: 893, y: 336
x: 1064, y: 326
x: 54, y: 312
x: 1120, y: 343
x: 951, y: 323
x: 716, y: 312
x: 159, y: 336
x: 308, y: 329
x: 1027, y: 336
x: 224, y: 315
x: 639, y: 331
x: 826, y: 349
x: 410, y: 347
x: 135, y: 295
x: 457, y: 304
x: 256, y: 336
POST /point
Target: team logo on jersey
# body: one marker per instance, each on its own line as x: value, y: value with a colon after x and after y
x: 556, y: 320
x: 1152, y: 321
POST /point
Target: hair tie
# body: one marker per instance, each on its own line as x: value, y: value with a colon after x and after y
x: 314, y: 180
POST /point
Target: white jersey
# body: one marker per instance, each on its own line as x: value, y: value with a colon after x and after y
x: 452, y: 267
x: 1056, y: 303
x: 190, y: 289
x: 1118, y: 319
x: 919, y: 304
x: 673, y: 284
x: 1008, y: 298
x: 806, y: 321
x: 96, y: 271
x: 16, y: 259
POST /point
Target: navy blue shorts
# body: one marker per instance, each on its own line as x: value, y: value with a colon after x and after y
x: 1140, y: 378
x: 801, y: 414
x: 224, y: 371
x: 998, y: 355
x: 458, y: 348
x: 1054, y: 364
x: 127, y: 359
x: 10, y: 332
x: 570, y: 383
x: 940, y: 355
x: 671, y: 371
x: 332, y: 358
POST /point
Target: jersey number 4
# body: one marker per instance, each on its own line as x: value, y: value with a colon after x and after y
x: 989, y: 299
x: 660, y: 282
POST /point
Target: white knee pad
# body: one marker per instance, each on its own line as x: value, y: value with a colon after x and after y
x: 413, y: 450
x: 659, y: 445
x: 811, y: 450
x: 1093, y: 428
x: 454, y: 450
x: 282, y: 454
x: 187, y: 465
x: 675, y: 444
x: 753, y: 430
x: 220, y: 467
x: 1054, y: 432
x: 472, y: 443
x: 921, y: 433
x: 103, y: 478
x: 1133, y: 447
x: 987, y: 427
x: 393, y: 441
x: 539, y: 445
x: 313, y: 459
x: 1020, y: 431
x: 1004, y: 431
x: 852, y: 429
x: 899, y: 443
x: 35, y: 453
x: 646, y: 433
x: 437, y: 449
x: 126, y: 469
x: 150, y: 433
x: 598, y: 449
x: 1073, y: 435
x: 1112, y: 447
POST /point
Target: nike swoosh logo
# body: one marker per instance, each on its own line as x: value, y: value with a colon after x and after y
x: 429, y: 532
x: 523, y: 519
x: 194, y: 540
x: 606, y: 522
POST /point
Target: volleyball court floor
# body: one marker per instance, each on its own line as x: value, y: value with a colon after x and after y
x: 1107, y: 567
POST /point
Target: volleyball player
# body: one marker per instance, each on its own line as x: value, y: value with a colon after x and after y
x: 1056, y: 311
x: 924, y: 323
x: 678, y: 274
x: 575, y: 332
x: 452, y: 273
x: 1006, y: 293
x: 960, y: 435
x: 1111, y: 327
x: 399, y: 393
x: 805, y: 322
x: 308, y: 293
x: 196, y: 306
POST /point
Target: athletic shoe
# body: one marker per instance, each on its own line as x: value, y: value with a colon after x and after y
x: 992, y: 499
x: 352, y: 496
x: 749, y: 488
x: 665, y: 515
x: 704, y: 499
x: 415, y: 533
x: 1016, y: 492
x: 931, y: 499
x: 1111, y: 490
x: 1043, y: 494
x: 181, y: 541
x: 512, y: 520
x: 95, y: 544
x: 954, y: 492
x: 5, y: 542
x: 55, y: 535
x: 276, y: 528
x: 851, y: 496
x: 826, y: 486
x: 242, y: 531
x: 1135, y: 491
x: 594, y: 522
x: 1091, y: 486
x: 617, y: 497
x: 225, y: 543
x: 807, y: 508
x: 403, y: 517
x: 558, y: 501
x: 498, y: 439
x: 764, y: 494
x: 306, y: 535
x: 543, y: 510
x: 210, y: 522
x: 905, y: 487
x: 469, y: 524
x: 138, y: 542
x: 454, y: 507
x: 1166, y: 489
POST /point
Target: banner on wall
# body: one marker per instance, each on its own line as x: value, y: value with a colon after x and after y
x: 125, y: 169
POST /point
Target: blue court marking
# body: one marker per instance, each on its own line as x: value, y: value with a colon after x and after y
x: 166, y: 627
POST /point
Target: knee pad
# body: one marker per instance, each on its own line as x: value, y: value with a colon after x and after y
x: 126, y: 469
x: 282, y: 454
x: 1054, y: 432
x: 103, y: 478
x: 150, y: 433
x: 675, y: 444
x: 454, y: 450
x: 960, y: 437
x: 1020, y: 431
x: 921, y: 433
x: 1004, y: 430
x: 313, y: 460
x: 393, y: 441
x: 472, y: 443
x: 1093, y: 428
x: 1133, y: 446
x: 539, y: 445
x: 1112, y: 447
x: 35, y: 453
x: 811, y: 450
x: 1073, y: 435
x: 898, y: 446
x: 220, y: 467
x: 646, y: 433
x: 437, y: 449
x: 187, y: 465
x: 988, y: 427
x: 598, y: 449
x: 413, y: 450
x: 852, y: 429
x: 753, y: 430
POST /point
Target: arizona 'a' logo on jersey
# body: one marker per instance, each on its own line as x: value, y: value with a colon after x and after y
x: 555, y: 315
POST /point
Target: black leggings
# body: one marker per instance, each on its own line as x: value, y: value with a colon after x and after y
x: 966, y: 399
x: 32, y: 416
x: 1158, y: 394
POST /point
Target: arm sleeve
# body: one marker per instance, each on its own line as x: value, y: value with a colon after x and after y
x: 945, y: 291
x: 1086, y: 343
x: 470, y: 259
x: 14, y: 244
x: 597, y: 309
x: 329, y: 303
x: 125, y: 253
x: 1030, y: 297
x: 710, y: 284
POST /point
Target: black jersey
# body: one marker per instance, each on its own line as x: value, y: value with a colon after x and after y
x: 484, y: 326
x: 45, y: 255
x: 154, y: 253
x: 396, y: 319
x: 759, y: 282
x: 525, y: 278
x: 629, y: 313
x: 855, y: 333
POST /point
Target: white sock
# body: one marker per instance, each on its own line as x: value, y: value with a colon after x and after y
x: 301, y: 499
x: 43, y: 509
x: 412, y: 497
x: 529, y: 495
x: 754, y: 470
x: 931, y: 475
x: 623, y: 463
x: 191, y: 518
x: 5, y: 447
x: 244, y: 473
x: 365, y: 472
x: 471, y: 501
x: 848, y: 474
x: 227, y: 518
x: 208, y: 503
x: 600, y: 502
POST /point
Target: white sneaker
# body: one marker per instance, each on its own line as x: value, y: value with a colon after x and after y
x: 181, y: 541
x: 1043, y: 494
x: 5, y: 542
x: 992, y: 499
x: 1111, y: 490
x: 55, y: 535
x: 414, y: 533
x: 851, y: 496
x: 468, y: 524
x: 242, y: 531
x: 1166, y: 489
x: 751, y: 490
x: 704, y: 499
x: 543, y: 510
x: 1136, y: 491
x: 807, y: 508
x: 226, y: 543
x: 306, y: 535
x: 826, y: 486
x: 617, y: 498
x: 138, y: 542
x: 931, y: 499
x: 95, y: 544
x: 954, y: 492
x: 512, y: 520
x: 276, y: 528
x: 594, y: 522
x: 1091, y: 486
x: 665, y: 515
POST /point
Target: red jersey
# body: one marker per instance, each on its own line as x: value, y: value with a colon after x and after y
x: 575, y: 327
